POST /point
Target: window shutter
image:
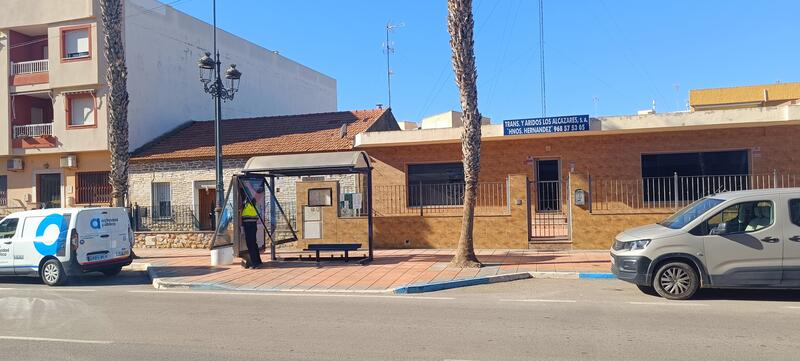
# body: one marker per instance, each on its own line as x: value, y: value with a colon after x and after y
x: 76, y: 43
x: 82, y: 111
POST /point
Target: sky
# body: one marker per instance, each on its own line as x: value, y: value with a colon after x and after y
x: 602, y: 57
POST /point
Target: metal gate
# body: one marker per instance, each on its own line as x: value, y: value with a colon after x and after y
x: 48, y: 190
x: 548, y: 220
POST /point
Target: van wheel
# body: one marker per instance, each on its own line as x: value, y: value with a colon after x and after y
x: 676, y: 281
x: 52, y: 273
x: 112, y: 271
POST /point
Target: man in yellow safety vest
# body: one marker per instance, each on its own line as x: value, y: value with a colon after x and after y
x: 250, y: 224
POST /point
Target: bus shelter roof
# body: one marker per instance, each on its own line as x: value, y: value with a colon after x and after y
x: 305, y: 164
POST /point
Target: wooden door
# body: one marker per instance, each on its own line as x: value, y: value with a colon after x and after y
x: 207, y: 203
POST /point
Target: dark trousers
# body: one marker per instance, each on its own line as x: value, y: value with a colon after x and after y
x: 250, y: 231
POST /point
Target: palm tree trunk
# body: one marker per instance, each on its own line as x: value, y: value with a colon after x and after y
x: 460, y: 24
x: 116, y: 76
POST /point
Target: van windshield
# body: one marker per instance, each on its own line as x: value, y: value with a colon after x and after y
x: 682, y: 217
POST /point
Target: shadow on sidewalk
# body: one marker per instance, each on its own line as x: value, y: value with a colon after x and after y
x: 185, y: 271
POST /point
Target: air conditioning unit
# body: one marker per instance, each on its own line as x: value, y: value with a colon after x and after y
x: 14, y: 164
x: 69, y: 161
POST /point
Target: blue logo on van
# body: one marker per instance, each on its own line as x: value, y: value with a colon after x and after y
x: 95, y: 223
x: 50, y: 249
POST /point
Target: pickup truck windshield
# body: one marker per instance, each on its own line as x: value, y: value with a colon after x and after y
x: 682, y: 217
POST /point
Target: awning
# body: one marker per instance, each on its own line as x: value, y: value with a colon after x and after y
x: 309, y: 163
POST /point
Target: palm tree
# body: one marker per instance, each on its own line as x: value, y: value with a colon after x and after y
x: 116, y: 76
x: 460, y: 24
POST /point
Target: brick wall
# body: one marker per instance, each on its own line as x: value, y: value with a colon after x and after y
x: 614, y: 155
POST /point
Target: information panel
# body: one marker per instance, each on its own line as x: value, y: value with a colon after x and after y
x: 563, y: 124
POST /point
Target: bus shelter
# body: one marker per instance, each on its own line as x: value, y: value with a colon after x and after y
x: 257, y: 184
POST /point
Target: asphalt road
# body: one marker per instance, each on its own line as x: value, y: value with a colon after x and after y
x: 124, y: 318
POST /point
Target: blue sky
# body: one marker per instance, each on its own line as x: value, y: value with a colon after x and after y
x: 603, y: 57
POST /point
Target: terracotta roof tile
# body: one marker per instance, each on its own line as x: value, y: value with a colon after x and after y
x: 319, y: 132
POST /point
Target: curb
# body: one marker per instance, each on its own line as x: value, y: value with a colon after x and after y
x: 438, y: 286
x: 158, y: 283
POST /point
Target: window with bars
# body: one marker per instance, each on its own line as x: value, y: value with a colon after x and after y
x: 93, y: 188
x: 440, y: 184
x: 3, y: 190
x: 162, y: 200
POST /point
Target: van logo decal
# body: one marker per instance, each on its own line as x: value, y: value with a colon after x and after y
x: 95, y: 223
x: 50, y: 247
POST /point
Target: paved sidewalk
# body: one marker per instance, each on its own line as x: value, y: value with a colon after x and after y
x: 390, y: 270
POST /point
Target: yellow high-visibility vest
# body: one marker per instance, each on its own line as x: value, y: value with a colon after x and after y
x: 249, y: 210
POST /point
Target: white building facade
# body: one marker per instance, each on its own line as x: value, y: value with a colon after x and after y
x: 54, y: 144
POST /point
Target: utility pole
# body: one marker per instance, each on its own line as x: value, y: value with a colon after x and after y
x: 389, y: 49
x: 541, y: 57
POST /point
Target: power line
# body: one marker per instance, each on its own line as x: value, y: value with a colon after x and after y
x: 628, y: 55
x: 499, y: 65
x: 439, y: 84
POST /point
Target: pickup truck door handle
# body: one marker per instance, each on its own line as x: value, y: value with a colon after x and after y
x: 794, y: 238
x: 770, y: 240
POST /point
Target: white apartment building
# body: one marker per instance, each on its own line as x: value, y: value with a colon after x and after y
x: 53, y: 145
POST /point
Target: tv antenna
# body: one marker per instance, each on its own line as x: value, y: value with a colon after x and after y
x: 388, y: 48
x: 595, y: 100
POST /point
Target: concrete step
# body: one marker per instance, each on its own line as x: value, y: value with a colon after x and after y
x: 550, y: 245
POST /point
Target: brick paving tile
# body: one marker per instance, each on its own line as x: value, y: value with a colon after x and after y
x: 545, y: 267
x: 247, y: 280
x: 336, y: 278
x: 270, y: 284
x: 467, y: 273
x: 308, y: 274
x: 260, y: 278
x: 369, y: 279
x: 353, y: 278
x: 487, y: 271
x: 316, y: 279
x: 390, y: 278
x: 391, y: 268
x: 447, y: 274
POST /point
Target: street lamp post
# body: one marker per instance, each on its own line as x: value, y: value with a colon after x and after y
x: 212, y: 84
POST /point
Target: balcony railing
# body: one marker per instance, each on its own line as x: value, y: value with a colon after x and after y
x: 30, y: 67
x: 33, y: 130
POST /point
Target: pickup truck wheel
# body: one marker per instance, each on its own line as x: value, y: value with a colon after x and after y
x: 676, y: 281
x: 52, y: 273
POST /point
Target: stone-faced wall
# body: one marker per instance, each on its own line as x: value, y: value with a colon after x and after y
x: 173, y: 239
x: 180, y: 174
x: 184, y: 175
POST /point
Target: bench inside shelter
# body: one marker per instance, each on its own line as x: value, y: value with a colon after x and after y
x: 334, y: 247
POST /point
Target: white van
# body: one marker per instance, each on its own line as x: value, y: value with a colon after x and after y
x: 742, y: 239
x: 55, y: 243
